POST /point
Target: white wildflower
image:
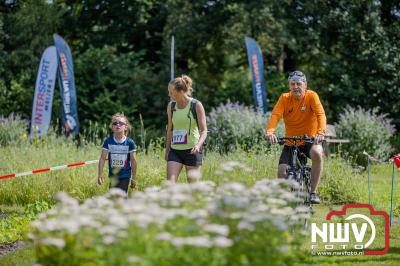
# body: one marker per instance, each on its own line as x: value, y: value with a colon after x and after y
x: 65, y: 199
x: 236, y: 215
x: 164, y: 236
x: 141, y: 219
x: 276, y: 201
x: 60, y: 243
x: 281, y: 225
x: 257, y: 217
x: 47, y: 225
x: 152, y: 189
x: 302, y: 209
x: 70, y: 225
x: 177, y: 241
x: 283, y: 249
x: 261, y: 208
x: 217, y: 228
x: 204, y: 186
x: 108, y: 229
x: 245, y: 225
x: 108, y: 239
x: 119, y: 221
x: 42, y: 215
x: 198, y: 241
x: 133, y: 259
x: 85, y: 220
x: 100, y: 202
x: 230, y: 165
x: 179, y: 198
x: 194, y: 174
x: 233, y: 186
x: 122, y: 234
x: 285, y: 211
x: 116, y: 193
x: 222, y: 242
x: 198, y: 214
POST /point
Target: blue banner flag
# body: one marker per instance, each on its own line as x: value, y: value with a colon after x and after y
x: 44, y: 90
x: 66, y: 83
x: 257, y: 75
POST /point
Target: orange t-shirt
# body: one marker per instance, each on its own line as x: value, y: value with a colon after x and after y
x: 301, y: 116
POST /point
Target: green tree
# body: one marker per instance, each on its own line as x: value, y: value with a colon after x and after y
x: 121, y: 84
x: 210, y: 45
x: 25, y: 31
x: 351, y: 51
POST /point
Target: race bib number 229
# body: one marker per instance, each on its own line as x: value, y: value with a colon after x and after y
x: 118, y: 160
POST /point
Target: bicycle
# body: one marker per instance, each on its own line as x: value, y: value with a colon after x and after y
x: 299, y: 171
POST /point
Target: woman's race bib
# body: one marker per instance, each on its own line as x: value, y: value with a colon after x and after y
x: 118, y: 160
x: 179, y: 136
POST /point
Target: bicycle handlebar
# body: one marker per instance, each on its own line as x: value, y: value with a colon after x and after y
x: 282, y: 140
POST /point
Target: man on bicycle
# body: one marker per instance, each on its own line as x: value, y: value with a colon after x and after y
x: 303, y: 114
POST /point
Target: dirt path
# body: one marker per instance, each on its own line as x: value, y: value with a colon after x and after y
x: 5, y: 248
x: 3, y: 215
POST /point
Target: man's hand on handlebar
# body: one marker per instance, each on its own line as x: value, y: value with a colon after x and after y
x: 272, y: 138
x: 318, y: 139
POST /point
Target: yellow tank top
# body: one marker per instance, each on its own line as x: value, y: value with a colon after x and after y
x: 185, y: 133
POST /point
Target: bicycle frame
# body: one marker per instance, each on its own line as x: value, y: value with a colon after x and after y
x: 298, y: 170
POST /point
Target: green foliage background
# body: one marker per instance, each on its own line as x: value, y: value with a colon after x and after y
x: 348, y: 49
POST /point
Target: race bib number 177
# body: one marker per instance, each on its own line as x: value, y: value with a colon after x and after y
x: 179, y: 137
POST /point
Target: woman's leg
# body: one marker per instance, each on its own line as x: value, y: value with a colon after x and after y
x: 193, y: 173
x: 173, y: 170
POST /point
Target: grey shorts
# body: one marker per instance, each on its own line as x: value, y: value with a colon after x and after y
x: 185, y: 157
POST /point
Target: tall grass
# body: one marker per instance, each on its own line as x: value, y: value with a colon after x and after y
x: 339, y: 183
x: 81, y: 182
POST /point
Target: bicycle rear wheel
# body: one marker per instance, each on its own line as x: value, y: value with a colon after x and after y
x: 306, y: 184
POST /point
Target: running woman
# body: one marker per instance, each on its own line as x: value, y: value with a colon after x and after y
x: 186, y: 131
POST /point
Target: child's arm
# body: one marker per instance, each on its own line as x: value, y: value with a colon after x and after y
x: 134, y: 168
x: 103, y: 157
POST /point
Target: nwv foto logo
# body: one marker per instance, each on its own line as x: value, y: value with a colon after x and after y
x: 336, y: 235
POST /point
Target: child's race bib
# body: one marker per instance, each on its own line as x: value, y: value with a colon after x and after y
x: 179, y: 136
x: 118, y: 160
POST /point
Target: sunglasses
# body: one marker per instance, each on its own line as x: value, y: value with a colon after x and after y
x: 118, y: 123
x: 297, y: 76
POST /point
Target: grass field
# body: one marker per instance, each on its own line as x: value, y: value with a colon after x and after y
x: 339, y: 184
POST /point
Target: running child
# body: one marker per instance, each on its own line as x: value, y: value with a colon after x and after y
x: 121, y: 153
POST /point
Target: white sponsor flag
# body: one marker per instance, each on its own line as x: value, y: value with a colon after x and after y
x: 44, y: 90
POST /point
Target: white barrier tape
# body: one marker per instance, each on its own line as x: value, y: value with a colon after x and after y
x: 53, y: 168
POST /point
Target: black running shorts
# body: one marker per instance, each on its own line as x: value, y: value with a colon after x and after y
x: 185, y: 157
x: 122, y: 184
x: 286, y: 155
